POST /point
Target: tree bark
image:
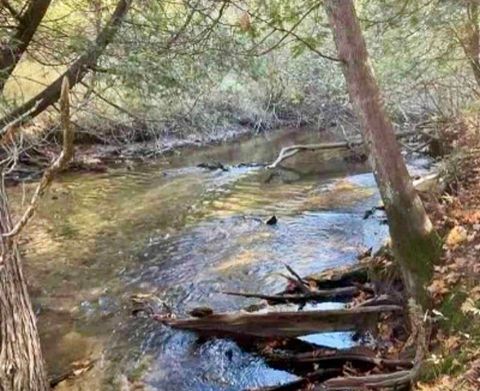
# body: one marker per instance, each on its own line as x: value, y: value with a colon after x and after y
x: 283, y: 324
x: 414, y: 241
x: 28, y: 23
x: 21, y: 362
x: 76, y: 72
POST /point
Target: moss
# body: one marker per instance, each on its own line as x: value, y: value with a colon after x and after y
x: 418, y: 255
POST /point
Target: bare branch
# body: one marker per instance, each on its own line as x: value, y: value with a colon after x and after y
x: 288, y: 152
x: 58, y: 165
x: 10, y: 9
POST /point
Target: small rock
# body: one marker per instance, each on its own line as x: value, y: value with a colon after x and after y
x: 272, y: 220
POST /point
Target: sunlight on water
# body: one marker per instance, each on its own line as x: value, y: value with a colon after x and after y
x: 184, y: 233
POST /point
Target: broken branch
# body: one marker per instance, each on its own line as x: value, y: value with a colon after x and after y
x: 288, y: 152
x: 337, y: 293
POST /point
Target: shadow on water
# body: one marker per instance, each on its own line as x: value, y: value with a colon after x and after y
x: 184, y: 233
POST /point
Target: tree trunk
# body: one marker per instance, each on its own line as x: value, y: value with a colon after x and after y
x: 21, y: 362
x: 414, y: 241
x: 28, y: 23
x: 75, y: 72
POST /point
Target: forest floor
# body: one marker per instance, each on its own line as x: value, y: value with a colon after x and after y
x: 454, y: 362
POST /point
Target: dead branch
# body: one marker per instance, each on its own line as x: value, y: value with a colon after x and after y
x: 333, y: 358
x: 288, y: 152
x: 283, y: 324
x: 338, y: 293
x: 58, y: 165
x: 300, y: 282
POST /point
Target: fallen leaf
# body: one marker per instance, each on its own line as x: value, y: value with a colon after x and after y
x: 456, y: 236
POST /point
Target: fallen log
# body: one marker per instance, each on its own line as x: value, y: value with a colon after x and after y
x: 314, y: 295
x: 338, y: 358
x: 292, y: 150
x: 288, y: 152
x: 283, y: 324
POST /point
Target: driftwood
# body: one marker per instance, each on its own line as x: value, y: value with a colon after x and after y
x: 283, y: 324
x: 338, y: 358
x: 288, y: 152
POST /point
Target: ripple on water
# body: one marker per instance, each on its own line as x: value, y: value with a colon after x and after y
x: 186, y: 233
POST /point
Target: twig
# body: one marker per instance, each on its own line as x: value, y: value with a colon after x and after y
x: 301, y: 282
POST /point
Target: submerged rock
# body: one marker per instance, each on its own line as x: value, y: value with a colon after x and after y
x: 213, y: 166
x: 272, y: 220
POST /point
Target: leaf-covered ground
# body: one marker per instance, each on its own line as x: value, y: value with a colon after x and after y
x: 454, y: 362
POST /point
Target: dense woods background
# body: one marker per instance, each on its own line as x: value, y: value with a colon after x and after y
x: 203, y: 67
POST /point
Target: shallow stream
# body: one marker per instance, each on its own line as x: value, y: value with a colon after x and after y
x: 184, y: 233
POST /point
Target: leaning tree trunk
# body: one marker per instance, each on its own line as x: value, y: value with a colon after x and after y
x: 21, y: 362
x: 75, y: 73
x: 28, y: 23
x: 414, y: 241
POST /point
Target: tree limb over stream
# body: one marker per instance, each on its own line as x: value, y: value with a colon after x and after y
x: 288, y: 152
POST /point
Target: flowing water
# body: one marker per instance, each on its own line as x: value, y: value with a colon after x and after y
x: 184, y: 233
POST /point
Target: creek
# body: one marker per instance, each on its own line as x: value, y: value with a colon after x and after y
x: 185, y: 233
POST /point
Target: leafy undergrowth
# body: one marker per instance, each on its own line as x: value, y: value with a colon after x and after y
x: 454, y: 362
